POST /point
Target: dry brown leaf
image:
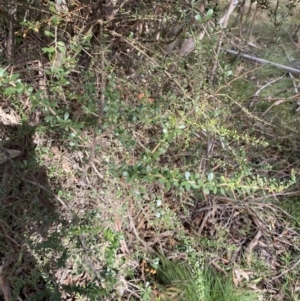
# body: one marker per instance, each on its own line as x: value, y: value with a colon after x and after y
x: 158, y: 11
x: 141, y: 95
x: 8, y: 119
x: 12, y: 153
x: 144, y: 97
x: 251, y: 246
x: 187, y: 47
x: 240, y: 275
x: 169, y: 47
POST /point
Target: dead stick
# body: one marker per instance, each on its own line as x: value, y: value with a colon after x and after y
x: 263, y: 61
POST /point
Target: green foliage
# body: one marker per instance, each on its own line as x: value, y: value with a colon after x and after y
x: 174, y: 133
x: 218, y: 287
x: 197, y: 283
x: 181, y: 142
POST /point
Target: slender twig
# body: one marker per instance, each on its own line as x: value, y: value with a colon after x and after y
x: 268, y: 84
x: 61, y: 201
x: 216, y: 62
x: 100, y: 110
x: 287, y: 270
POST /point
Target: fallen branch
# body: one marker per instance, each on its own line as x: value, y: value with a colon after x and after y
x: 263, y: 61
x: 4, y: 285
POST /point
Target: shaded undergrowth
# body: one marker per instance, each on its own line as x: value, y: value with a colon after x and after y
x: 146, y: 150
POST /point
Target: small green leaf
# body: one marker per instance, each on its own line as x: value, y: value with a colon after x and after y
x: 48, y: 49
x: 54, y: 19
x: 210, y: 176
x: 162, y: 180
x: 187, y: 175
x: 49, y: 118
x: 19, y: 87
x: 125, y: 174
x: 198, y: 18
x: 168, y: 186
x: 187, y: 186
x: 195, y: 186
x: 206, y: 190
x: 49, y: 34
x: 209, y: 13
x: 52, y: 7
x: 181, y: 126
x: 2, y: 72
x: 222, y: 191
x: 9, y: 90
x: 61, y: 44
